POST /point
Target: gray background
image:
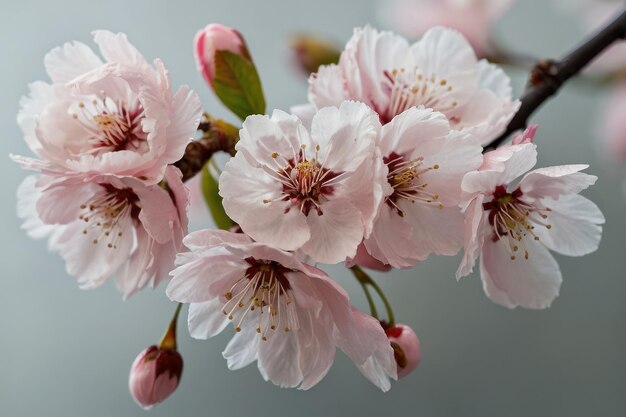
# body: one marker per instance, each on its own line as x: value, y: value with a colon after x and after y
x: 66, y: 352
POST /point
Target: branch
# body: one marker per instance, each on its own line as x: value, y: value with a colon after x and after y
x: 548, y: 76
x: 217, y: 136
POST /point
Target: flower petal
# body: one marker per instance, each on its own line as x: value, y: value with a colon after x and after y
x: 575, y: 221
x: 530, y: 283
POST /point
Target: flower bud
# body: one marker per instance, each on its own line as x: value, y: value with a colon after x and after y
x: 527, y: 136
x: 310, y: 52
x: 406, y: 348
x: 155, y: 375
x: 213, y: 38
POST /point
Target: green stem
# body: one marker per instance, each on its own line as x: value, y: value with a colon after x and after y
x: 168, y: 342
x: 365, y: 280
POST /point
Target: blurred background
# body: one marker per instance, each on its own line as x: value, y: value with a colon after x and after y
x: 66, y: 352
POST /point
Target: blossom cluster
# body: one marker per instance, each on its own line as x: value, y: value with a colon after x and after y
x: 382, y: 168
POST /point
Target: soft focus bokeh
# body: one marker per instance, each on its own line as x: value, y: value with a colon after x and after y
x: 66, y: 352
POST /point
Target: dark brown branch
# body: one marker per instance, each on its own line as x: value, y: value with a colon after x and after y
x: 217, y: 136
x: 548, y: 76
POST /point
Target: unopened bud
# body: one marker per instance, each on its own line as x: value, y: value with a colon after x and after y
x: 213, y: 38
x: 310, y: 52
x: 155, y: 375
x: 406, y: 348
x: 156, y: 371
x: 226, y: 64
x: 527, y: 136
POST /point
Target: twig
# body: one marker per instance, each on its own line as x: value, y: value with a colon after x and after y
x: 548, y: 76
x: 217, y: 136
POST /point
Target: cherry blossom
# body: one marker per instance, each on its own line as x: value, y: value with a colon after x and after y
x: 318, y: 191
x: 425, y: 163
x: 288, y: 316
x: 592, y: 15
x: 512, y: 227
x: 108, y: 226
x: 473, y: 18
x: 440, y: 71
x: 117, y: 116
x: 613, y: 124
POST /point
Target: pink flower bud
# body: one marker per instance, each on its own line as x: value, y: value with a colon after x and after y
x: 406, y: 348
x: 213, y: 38
x: 154, y: 375
x: 527, y: 136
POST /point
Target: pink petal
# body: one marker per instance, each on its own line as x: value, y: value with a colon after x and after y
x: 530, y: 283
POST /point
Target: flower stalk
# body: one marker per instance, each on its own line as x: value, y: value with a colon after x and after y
x: 168, y: 341
x: 365, y: 280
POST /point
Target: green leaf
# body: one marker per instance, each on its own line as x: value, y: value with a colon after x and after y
x: 237, y: 84
x: 214, y: 200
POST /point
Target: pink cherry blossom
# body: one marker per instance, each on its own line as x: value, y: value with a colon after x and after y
x: 318, y: 191
x: 473, y: 18
x: 108, y: 226
x: 512, y: 227
x: 213, y: 38
x: 406, y: 348
x: 117, y: 116
x: 424, y: 165
x: 613, y: 124
x: 288, y: 316
x: 440, y: 71
x: 154, y: 375
x: 592, y: 15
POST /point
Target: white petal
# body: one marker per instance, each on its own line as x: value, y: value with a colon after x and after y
x: 435, y: 230
x: 555, y: 181
x: 575, y: 221
x: 317, y: 349
x: 64, y: 63
x: 407, y: 130
x: 346, y: 135
x: 261, y: 138
x: 242, y: 349
x: 327, y: 87
x: 474, y: 236
x: 115, y: 47
x: 457, y: 154
x: 445, y: 54
x: 279, y: 359
x: 206, y: 319
x: 244, y: 190
x: 335, y: 234
x: 530, y: 283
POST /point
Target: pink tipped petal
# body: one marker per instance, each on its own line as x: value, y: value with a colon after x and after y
x: 527, y: 136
